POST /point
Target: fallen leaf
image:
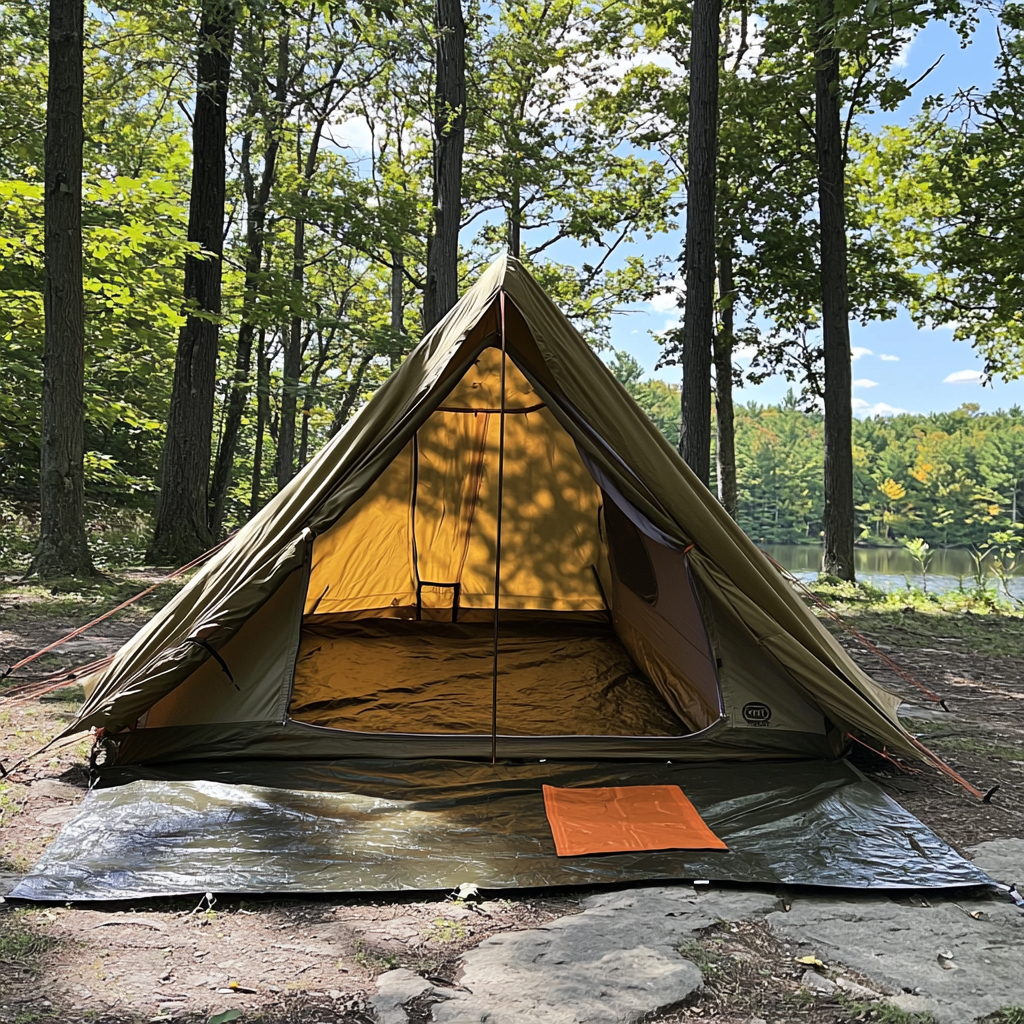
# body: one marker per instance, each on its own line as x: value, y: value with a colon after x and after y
x: 811, y: 961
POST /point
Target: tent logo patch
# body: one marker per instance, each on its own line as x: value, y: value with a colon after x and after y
x: 757, y: 713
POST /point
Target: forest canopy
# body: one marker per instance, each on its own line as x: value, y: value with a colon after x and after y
x: 562, y: 129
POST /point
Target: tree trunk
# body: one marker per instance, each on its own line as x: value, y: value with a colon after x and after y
x: 63, y: 549
x: 397, y: 296
x: 442, y: 283
x: 314, y: 380
x: 293, y: 339
x: 725, y: 446
x: 351, y: 396
x: 699, y: 258
x: 835, y: 324
x: 262, y: 415
x: 182, y: 530
x: 515, y: 217
x: 292, y: 364
x: 257, y: 200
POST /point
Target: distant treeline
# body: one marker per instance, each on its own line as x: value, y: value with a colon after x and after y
x: 951, y: 478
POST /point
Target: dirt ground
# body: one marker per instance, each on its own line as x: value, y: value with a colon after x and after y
x: 314, y: 960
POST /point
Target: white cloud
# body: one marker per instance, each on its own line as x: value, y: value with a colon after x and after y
x: 667, y: 296
x: 862, y: 408
x: 901, y: 58
x: 889, y: 359
x: 744, y: 353
x: 965, y: 377
x: 865, y: 383
x: 352, y: 133
x: 856, y: 352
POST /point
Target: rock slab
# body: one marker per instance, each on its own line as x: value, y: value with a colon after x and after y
x: 905, y: 947
x: 614, y: 963
x: 957, y: 958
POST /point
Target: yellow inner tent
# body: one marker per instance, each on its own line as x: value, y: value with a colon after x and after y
x: 398, y: 623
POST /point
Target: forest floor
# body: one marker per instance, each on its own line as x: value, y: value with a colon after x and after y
x: 315, y: 960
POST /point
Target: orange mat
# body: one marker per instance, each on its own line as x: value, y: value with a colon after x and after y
x: 625, y: 818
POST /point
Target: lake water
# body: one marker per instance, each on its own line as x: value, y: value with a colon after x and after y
x: 891, y: 568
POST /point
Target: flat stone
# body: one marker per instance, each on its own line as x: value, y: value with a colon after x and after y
x: 898, y: 947
x: 912, y: 1004
x: 57, y: 790
x: 855, y: 991
x: 394, y: 990
x: 615, y: 962
x: 57, y: 815
x: 399, y: 929
x: 1002, y: 860
x: 818, y: 982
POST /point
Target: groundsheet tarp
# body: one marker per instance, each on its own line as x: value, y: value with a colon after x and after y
x: 365, y: 825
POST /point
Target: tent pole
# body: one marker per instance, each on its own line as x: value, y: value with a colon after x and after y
x: 497, y: 541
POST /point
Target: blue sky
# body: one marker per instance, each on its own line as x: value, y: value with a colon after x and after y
x: 896, y: 366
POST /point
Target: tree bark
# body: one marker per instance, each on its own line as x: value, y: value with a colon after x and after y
x: 292, y: 369
x: 397, y: 296
x: 442, y: 282
x: 699, y: 259
x: 725, y: 446
x: 307, y: 410
x: 182, y: 530
x: 351, y: 396
x: 515, y: 217
x: 257, y: 200
x: 262, y: 415
x: 63, y: 549
x: 839, y: 515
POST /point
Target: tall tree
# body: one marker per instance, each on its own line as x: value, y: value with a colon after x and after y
x: 552, y: 149
x: 307, y: 163
x: 63, y: 550
x: 441, y: 290
x: 837, y: 559
x: 182, y: 531
x: 699, y: 312
x: 725, y: 439
x: 269, y: 112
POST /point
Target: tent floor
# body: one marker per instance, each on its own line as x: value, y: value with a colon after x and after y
x: 373, y: 826
x: 555, y: 678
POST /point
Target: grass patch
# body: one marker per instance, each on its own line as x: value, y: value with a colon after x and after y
x: 882, y: 1013
x: 20, y: 945
x: 66, y: 695
x: 971, y: 745
x: 375, y: 962
x: 445, y: 931
x: 80, y: 599
x: 1007, y: 1015
x: 970, y: 622
x: 703, y: 955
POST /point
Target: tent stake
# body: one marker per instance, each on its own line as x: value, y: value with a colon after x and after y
x: 497, y: 540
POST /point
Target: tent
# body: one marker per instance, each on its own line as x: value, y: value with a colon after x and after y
x: 354, y: 615
x: 499, y: 559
